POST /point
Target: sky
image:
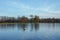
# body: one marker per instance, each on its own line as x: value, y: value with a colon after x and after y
x: 41, y: 8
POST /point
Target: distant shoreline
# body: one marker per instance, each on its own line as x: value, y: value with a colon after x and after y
x: 33, y: 19
x: 23, y: 23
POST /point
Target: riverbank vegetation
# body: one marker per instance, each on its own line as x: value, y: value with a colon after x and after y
x: 32, y: 19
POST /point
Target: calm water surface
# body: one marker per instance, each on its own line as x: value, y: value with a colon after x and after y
x: 41, y: 31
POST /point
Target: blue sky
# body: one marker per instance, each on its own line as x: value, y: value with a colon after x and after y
x: 42, y: 8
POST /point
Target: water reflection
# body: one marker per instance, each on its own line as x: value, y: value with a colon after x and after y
x: 27, y: 26
x: 7, y: 26
x: 30, y: 31
x: 20, y: 26
x: 50, y: 25
x: 34, y: 26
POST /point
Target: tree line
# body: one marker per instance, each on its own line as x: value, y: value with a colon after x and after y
x: 33, y: 19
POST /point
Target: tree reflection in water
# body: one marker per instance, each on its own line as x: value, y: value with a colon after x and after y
x: 20, y: 26
x: 35, y: 26
x: 24, y: 27
x: 7, y: 26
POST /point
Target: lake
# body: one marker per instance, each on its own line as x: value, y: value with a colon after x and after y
x: 30, y: 31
